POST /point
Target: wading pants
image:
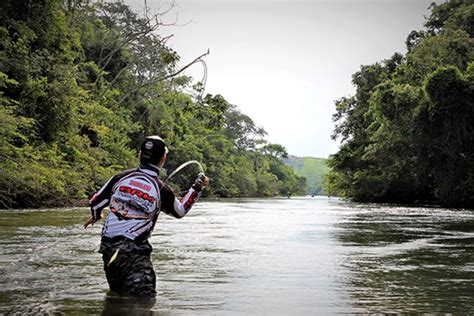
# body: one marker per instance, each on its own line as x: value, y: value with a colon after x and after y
x: 131, y: 272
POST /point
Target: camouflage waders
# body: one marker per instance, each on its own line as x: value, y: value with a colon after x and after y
x: 131, y: 272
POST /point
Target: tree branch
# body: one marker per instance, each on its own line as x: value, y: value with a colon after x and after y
x: 197, y: 59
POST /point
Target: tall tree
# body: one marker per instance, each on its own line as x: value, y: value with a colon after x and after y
x: 407, y: 133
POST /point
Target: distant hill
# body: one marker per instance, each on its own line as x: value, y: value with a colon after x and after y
x: 312, y: 168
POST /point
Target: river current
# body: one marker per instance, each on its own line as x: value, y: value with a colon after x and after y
x: 295, y: 256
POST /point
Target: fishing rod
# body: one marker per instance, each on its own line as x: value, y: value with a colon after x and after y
x: 182, y: 166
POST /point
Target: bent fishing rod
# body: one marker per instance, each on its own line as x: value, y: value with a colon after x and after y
x: 182, y: 166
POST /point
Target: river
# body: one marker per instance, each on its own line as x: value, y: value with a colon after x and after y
x: 295, y: 256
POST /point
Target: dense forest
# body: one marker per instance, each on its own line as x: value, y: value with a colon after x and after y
x: 408, y: 132
x: 313, y: 169
x: 82, y: 83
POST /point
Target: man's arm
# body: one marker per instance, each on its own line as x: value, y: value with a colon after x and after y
x: 102, y: 198
x: 174, y: 207
x: 179, y: 208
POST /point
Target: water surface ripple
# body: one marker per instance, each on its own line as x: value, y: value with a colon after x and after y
x: 251, y: 256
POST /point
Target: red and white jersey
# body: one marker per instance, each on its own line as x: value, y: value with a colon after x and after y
x: 135, y: 198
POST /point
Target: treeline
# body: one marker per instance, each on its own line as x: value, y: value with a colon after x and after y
x: 82, y: 83
x: 408, y: 132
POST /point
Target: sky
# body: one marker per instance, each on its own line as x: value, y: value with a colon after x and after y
x: 284, y: 63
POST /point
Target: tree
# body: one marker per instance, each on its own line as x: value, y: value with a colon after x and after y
x: 275, y: 151
x: 407, y: 132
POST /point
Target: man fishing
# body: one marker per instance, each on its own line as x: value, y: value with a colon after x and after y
x: 135, y: 198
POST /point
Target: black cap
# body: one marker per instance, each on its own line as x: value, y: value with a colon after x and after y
x: 152, y: 149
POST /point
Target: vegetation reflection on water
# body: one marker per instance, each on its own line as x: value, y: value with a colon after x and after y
x: 289, y: 256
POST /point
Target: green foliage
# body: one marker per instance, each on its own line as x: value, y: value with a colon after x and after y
x: 454, y: 14
x: 275, y: 150
x: 407, y: 133
x: 81, y: 84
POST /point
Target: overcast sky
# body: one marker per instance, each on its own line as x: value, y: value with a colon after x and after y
x: 283, y: 63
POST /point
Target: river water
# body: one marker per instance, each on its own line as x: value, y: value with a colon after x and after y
x: 251, y: 256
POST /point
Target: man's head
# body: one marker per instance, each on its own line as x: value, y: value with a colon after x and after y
x: 153, y: 151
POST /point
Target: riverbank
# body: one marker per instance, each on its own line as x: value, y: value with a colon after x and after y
x: 73, y: 203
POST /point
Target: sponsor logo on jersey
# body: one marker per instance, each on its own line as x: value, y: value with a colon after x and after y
x: 136, y: 192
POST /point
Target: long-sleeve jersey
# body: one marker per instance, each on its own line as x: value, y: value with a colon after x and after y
x: 135, y: 198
